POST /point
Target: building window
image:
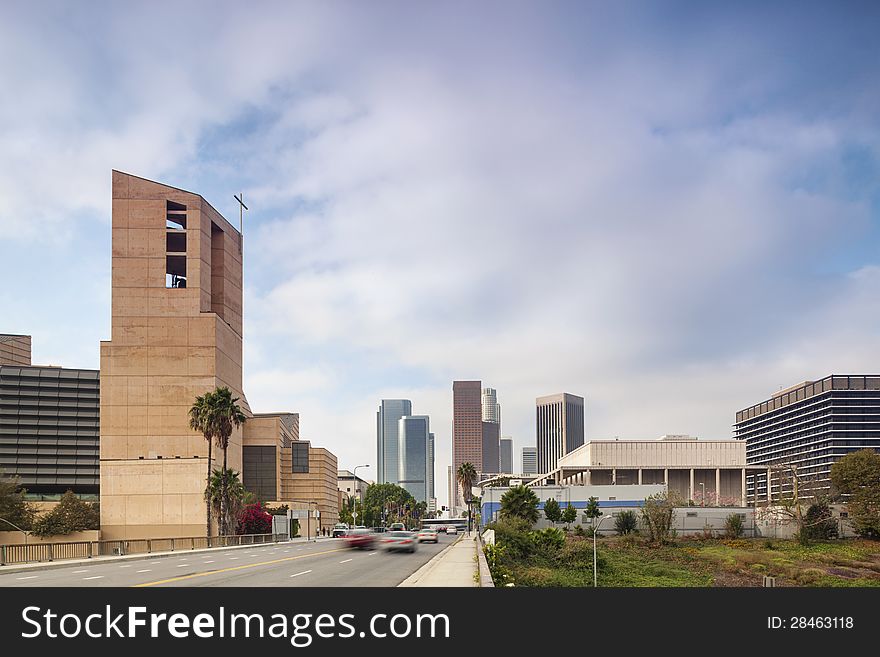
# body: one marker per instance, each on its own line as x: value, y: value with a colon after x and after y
x: 175, y: 245
x: 300, y: 458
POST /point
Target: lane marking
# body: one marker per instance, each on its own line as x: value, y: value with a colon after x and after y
x: 233, y: 557
x: 147, y: 570
x: 182, y: 565
x: 77, y: 572
x: 345, y: 561
x: 28, y: 577
x: 372, y: 553
x: 94, y: 577
x: 209, y: 561
x: 305, y: 572
x: 231, y: 568
x: 125, y: 566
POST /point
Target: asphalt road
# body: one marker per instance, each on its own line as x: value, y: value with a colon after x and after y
x: 323, y: 563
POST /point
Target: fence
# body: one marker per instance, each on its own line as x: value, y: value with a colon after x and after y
x: 38, y: 552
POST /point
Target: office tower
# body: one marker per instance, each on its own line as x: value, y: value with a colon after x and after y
x: 49, y: 428
x: 490, y: 405
x: 529, y: 461
x: 559, y: 428
x: 431, y: 491
x: 450, y: 490
x: 414, y: 436
x: 176, y: 333
x: 387, y: 452
x: 810, y: 425
x: 505, y: 459
x: 467, y: 431
x: 490, y: 445
x: 15, y: 349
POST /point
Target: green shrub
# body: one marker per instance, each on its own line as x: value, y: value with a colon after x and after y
x: 579, y: 531
x: 71, y: 515
x: 548, y: 540
x: 501, y: 575
x: 513, y: 534
x: 733, y: 526
x: 626, y: 523
x: 819, y: 524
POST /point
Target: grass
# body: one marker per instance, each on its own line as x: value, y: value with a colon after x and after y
x: 707, y: 562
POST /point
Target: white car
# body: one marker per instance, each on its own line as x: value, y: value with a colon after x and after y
x: 451, y: 530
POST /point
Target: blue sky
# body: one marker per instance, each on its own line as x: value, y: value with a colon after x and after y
x: 671, y: 209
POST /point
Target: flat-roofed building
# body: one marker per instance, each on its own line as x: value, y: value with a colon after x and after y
x: 709, y: 472
x: 15, y: 349
x: 559, y: 427
x: 505, y: 455
x: 529, y: 461
x: 809, y: 426
x: 467, y: 432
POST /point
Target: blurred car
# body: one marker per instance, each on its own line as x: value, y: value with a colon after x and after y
x: 339, y: 529
x: 451, y: 529
x: 360, y: 538
x: 400, y: 540
x: 427, y: 536
x: 380, y: 530
x: 397, y: 526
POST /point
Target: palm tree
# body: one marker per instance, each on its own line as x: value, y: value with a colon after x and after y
x: 520, y: 502
x: 467, y: 475
x: 235, y: 494
x: 216, y: 414
x: 201, y: 420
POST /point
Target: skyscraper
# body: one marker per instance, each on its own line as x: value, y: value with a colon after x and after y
x: 414, y: 455
x: 529, y: 463
x: 467, y: 431
x: 491, y: 407
x: 559, y: 427
x: 505, y: 460
x: 811, y: 425
x: 431, y: 491
x: 491, y: 456
x: 387, y: 452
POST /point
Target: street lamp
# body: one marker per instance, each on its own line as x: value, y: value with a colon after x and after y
x: 703, y: 494
x: 356, y: 492
x: 596, y: 531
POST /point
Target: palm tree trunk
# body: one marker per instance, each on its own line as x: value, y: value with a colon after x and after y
x: 208, y: 493
x: 224, y: 502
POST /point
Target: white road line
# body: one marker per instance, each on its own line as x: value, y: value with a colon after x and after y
x: 94, y: 577
x: 346, y: 561
x: 372, y: 553
x: 183, y: 565
x: 209, y: 561
x: 125, y: 566
x: 146, y: 570
x: 77, y: 572
x: 154, y: 562
x: 305, y: 572
x: 28, y: 577
x: 233, y: 557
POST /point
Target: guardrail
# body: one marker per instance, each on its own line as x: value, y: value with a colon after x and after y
x: 39, y: 552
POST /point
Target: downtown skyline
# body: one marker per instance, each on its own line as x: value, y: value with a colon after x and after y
x: 628, y: 202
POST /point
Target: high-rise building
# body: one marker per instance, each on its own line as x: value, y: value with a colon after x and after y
x: 431, y: 491
x: 176, y: 333
x: 414, y: 454
x: 15, y: 349
x: 467, y: 431
x: 810, y: 426
x: 49, y: 429
x: 491, y: 446
x: 529, y: 461
x: 491, y: 407
x: 559, y: 427
x: 505, y: 459
x: 450, y: 488
x: 387, y: 451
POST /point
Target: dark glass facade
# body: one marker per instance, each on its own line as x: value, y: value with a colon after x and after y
x: 49, y: 429
x: 810, y: 426
x: 259, y: 469
x: 387, y: 438
x: 414, y: 448
x: 300, y: 456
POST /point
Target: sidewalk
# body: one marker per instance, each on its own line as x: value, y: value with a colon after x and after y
x: 141, y: 556
x: 454, y: 566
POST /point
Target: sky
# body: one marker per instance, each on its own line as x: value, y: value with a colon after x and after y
x: 671, y: 209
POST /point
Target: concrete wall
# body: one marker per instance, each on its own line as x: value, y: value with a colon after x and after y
x: 658, y: 453
x: 17, y: 538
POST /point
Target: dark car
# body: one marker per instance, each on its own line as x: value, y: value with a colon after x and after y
x: 397, y: 540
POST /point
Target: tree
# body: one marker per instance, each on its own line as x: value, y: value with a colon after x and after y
x: 658, y: 514
x: 593, y: 511
x: 625, y: 523
x: 857, y: 478
x: 819, y: 523
x: 384, y: 502
x: 552, y: 510
x: 70, y: 515
x: 733, y: 526
x: 235, y: 495
x: 215, y: 415
x: 795, y: 490
x: 15, y: 511
x: 253, y: 519
x: 569, y: 515
x: 467, y: 476
x: 520, y: 502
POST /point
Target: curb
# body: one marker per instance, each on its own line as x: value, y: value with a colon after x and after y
x: 55, y: 565
x: 429, y: 566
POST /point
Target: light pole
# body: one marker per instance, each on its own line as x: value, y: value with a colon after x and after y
x: 703, y: 493
x: 596, y: 531
x: 356, y: 492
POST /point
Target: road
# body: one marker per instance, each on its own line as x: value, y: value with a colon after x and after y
x: 323, y: 563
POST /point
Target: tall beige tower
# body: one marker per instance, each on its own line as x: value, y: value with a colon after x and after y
x: 176, y: 332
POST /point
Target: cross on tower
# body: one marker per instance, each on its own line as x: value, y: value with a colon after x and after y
x: 241, y: 208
